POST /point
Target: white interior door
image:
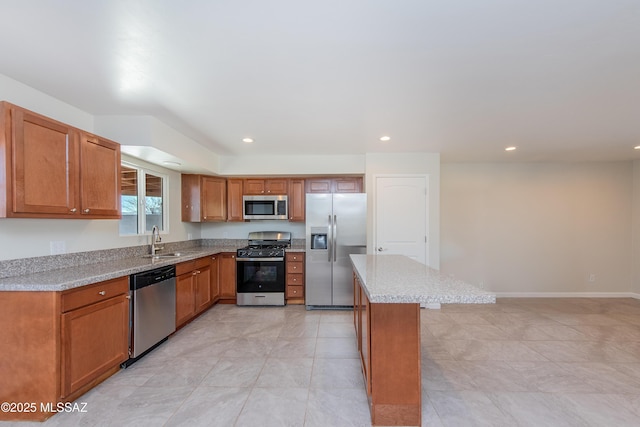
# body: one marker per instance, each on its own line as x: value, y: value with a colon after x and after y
x: 401, y: 219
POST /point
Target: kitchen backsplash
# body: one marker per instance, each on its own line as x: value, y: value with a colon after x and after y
x: 22, y: 266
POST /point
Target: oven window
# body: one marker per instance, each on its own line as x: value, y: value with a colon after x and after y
x: 261, y: 273
x: 256, y: 207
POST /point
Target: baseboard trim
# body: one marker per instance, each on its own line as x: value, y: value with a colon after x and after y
x: 567, y: 295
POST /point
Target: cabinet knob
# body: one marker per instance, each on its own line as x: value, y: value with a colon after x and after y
x: 86, y: 210
x: 295, y: 292
x: 193, y: 273
x: 74, y: 210
x: 103, y: 293
x: 205, y: 217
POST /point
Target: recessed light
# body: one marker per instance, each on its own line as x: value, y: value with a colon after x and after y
x: 247, y: 140
x: 512, y: 148
x: 385, y: 138
x: 637, y: 147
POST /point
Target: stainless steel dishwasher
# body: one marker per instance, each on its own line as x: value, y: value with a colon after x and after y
x: 153, y: 310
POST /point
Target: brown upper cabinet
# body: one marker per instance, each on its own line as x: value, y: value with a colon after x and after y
x: 343, y: 184
x: 297, y: 200
x: 234, y: 199
x: 204, y: 198
x: 276, y: 186
x: 53, y: 170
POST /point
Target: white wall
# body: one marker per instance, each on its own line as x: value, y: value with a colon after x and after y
x: 240, y: 230
x: 402, y: 164
x: 292, y: 165
x: 24, y: 238
x: 31, y: 99
x: 635, y: 227
x: 538, y: 227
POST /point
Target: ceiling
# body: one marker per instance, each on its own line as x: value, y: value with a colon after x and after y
x: 559, y: 79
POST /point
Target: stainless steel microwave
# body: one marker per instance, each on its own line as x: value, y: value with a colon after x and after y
x: 265, y: 207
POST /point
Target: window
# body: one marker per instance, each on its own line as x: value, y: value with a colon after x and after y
x: 144, y: 197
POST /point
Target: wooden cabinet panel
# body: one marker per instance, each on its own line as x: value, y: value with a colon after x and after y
x: 347, y: 185
x: 99, y: 177
x: 294, y: 267
x: 204, y: 198
x: 295, y: 256
x: 214, y: 199
x: 76, y: 298
x: 53, y: 170
x: 44, y: 164
x: 227, y: 275
x: 214, y: 278
x: 203, y: 288
x: 343, y: 184
x: 253, y: 186
x: 94, y: 340
x: 296, y: 200
x: 295, y: 279
x: 185, y: 300
x: 318, y: 185
x: 388, y: 337
x: 275, y: 186
x: 234, y: 200
x: 294, y: 292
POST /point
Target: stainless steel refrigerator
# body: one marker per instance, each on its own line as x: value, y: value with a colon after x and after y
x: 336, y: 226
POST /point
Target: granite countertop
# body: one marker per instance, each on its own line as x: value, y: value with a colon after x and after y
x: 73, y: 277
x: 399, y: 279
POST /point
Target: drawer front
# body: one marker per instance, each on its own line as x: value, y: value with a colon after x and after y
x: 185, y: 267
x: 295, y: 291
x: 94, y: 293
x: 295, y: 279
x: 295, y: 256
x: 295, y: 267
x: 202, y: 262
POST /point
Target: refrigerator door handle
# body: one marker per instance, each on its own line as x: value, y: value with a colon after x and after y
x: 330, y: 245
x: 335, y: 238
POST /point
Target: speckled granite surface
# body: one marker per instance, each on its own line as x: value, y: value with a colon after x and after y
x: 62, y: 272
x: 399, y: 279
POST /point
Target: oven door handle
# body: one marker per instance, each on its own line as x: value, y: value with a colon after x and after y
x: 260, y: 259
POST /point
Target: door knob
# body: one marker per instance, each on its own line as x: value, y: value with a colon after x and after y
x: 380, y: 249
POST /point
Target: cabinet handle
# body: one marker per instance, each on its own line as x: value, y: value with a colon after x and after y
x: 103, y: 293
x: 86, y: 210
x: 74, y: 210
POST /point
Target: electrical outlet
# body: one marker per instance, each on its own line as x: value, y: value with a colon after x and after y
x: 189, y: 236
x: 592, y: 278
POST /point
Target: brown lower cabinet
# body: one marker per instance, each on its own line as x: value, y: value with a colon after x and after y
x: 295, y: 277
x: 227, y: 277
x: 58, y: 345
x: 388, y: 336
x: 193, y: 289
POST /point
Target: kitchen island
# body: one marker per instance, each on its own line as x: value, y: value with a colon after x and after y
x: 388, y: 291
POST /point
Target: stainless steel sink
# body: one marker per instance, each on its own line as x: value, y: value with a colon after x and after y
x: 167, y: 255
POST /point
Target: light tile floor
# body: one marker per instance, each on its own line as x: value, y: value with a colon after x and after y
x: 520, y: 362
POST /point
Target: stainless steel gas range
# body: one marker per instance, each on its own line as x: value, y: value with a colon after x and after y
x: 260, y: 276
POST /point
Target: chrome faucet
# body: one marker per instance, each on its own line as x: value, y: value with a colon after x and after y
x: 155, y: 238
